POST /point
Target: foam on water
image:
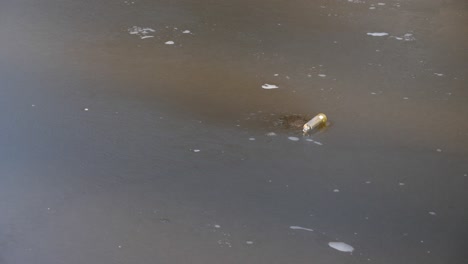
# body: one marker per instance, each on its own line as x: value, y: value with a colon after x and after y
x: 293, y: 138
x: 300, y: 228
x: 340, y: 246
x: 170, y: 42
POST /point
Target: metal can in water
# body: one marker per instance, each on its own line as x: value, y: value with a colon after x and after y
x: 317, y: 121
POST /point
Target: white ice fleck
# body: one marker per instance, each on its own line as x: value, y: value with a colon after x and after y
x: 269, y: 86
x: 186, y: 32
x: 405, y: 98
x: 293, y: 138
x: 170, y: 42
x: 33, y: 105
x: 439, y: 74
x: 86, y: 109
x: 145, y: 37
x: 377, y: 34
x: 432, y: 213
x: 322, y: 75
x: 301, y: 228
x: 340, y: 246
x: 251, y: 139
x: 336, y: 190
x: 249, y: 242
x: 196, y: 150
x: 119, y: 246
x: 271, y: 134
x: 276, y: 74
x: 217, y: 226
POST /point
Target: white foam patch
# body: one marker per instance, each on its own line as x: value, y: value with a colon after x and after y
x: 170, y: 42
x: 293, y: 138
x: 322, y: 75
x: 271, y: 134
x: 381, y: 4
x: 439, y: 74
x: 340, y: 246
x: 252, y: 139
x: 318, y: 143
x: 217, y: 226
x: 145, y: 37
x: 432, y: 213
x: 301, y: 228
x: 196, y: 150
x: 269, y: 86
x: 249, y: 242
x: 336, y: 190
x: 377, y: 34
x: 186, y: 32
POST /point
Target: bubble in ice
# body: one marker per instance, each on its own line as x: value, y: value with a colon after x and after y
x: 293, y: 138
x: 377, y: 34
x: 301, y: 228
x: 269, y: 86
x: 170, y: 42
x: 341, y: 246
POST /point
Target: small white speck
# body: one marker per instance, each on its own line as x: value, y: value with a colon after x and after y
x: 438, y: 150
x: 145, y: 37
x: 318, y: 143
x: 170, y: 42
x: 432, y: 213
x: 405, y: 98
x: 119, y: 246
x: 372, y: 7
x: 422, y: 241
x: 276, y: 74
x: 86, y: 109
x: 186, y: 32
x: 33, y: 105
x: 251, y: 139
x: 322, y: 75
x: 48, y: 208
x: 401, y: 183
x: 249, y: 242
x: 428, y: 252
x: 217, y: 226
x: 381, y: 4
x: 368, y: 182
x: 196, y: 150
x: 336, y: 190
x: 466, y: 175
x: 293, y: 138
x: 439, y: 74
x: 271, y: 134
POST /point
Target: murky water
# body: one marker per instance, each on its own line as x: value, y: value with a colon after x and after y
x: 139, y: 131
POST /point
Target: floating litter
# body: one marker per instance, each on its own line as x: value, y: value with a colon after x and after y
x: 317, y: 121
x: 340, y: 246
